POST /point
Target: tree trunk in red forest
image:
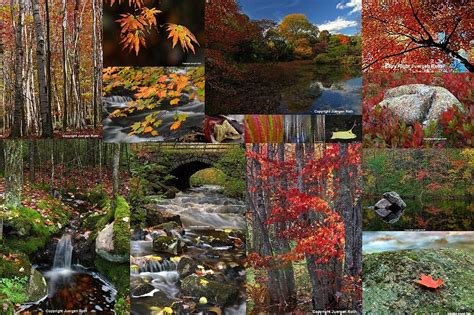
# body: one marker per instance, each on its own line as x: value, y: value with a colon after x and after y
x: 65, y: 74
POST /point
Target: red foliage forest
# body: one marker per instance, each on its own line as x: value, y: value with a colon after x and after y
x: 417, y: 35
x: 304, y: 208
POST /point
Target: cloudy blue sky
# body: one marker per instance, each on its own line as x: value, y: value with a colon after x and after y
x: 336, y: 16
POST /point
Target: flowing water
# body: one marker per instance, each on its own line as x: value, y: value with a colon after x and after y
x: 206, y: 215
x: 72, y: 288
x: 63, y: 253
x: 374, y: 242
x: 118, y: 129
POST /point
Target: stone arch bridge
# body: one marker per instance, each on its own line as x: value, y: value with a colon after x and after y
x: 185, y: 159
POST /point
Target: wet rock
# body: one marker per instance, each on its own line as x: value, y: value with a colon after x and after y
x: 419, y: 103
x: 186, y: 266
x: 217, y: 292
x: 138, y: 234
x: 170, y: 226
x: 142, y: 289
x: 390, y: 207
x: 37, y: 287
x: 389, y: 282
x: 84, y: 251
x: 153, y: 216
x: 104, y: 245
x: 169, y: 245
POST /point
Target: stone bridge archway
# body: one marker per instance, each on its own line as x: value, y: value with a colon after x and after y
x: 184, y: 169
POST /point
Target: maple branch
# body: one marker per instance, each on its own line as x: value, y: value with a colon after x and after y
x: 446, y: 41
x: 419, y: 21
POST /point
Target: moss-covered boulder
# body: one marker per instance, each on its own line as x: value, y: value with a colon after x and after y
x: 122, y: 227
x: 113, y: 241
x: 389, y: 281
x: 117, y: 273
x: 217, y: 292
x: 37, y: 286
x: 168, y: 245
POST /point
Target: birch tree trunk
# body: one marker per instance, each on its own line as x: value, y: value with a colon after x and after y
x: 13, y: 173
x: 45, y: 106
x: 18, y: 125
x: 65, y: 74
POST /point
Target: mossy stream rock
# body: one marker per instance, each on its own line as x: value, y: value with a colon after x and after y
x: 214, y: 291
x: 168, y: 245
x: 390, y: 288
x: 37, y: 287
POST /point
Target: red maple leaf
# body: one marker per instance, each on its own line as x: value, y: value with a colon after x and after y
x: 429, y: 282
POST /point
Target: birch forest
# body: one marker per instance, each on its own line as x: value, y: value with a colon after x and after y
x: 50, y: 52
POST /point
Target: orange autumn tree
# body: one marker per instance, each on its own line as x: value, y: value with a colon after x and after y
x: 136, y: 25
x: 152, y: 89
x: 420, y: 33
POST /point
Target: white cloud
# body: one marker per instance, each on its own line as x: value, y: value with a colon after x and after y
x: 336, y: 25
x: 356, y: 6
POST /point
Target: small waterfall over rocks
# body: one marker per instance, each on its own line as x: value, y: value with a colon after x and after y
x: 63, y: 253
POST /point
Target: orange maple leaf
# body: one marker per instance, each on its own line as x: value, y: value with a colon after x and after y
x: 184, y: 35
x: 176, y: 125
x: 429, y: 282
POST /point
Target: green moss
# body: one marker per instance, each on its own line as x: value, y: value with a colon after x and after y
x: 121, y: 306
x: 117, y: 274
x: 208, y: 176
x: 390, y: 288
x: 98, y: 196
x: 17, y: 265
x: 122, y: 227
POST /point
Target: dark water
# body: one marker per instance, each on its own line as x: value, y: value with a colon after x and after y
x: 324, y: 89
x: 118, y: 129
x: 77, y: 291
x: 427, y: 214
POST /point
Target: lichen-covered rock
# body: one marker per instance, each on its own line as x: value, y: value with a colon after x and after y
x: 37, y: 287
x: 419, y: 103
x: 389, y: 282
x: 217, y: 292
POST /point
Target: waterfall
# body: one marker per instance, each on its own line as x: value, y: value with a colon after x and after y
x: 63, y: 253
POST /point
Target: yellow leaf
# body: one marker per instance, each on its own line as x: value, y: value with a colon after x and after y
x: 203, y: 300
x: 174, y: 101
x: 168, y: 310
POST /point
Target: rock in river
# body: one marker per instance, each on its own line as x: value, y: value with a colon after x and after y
x: 217, y: 292
x: 390, y: 207
x: 169, y: 245
x: 37, y: 287
x: 186, y: 266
